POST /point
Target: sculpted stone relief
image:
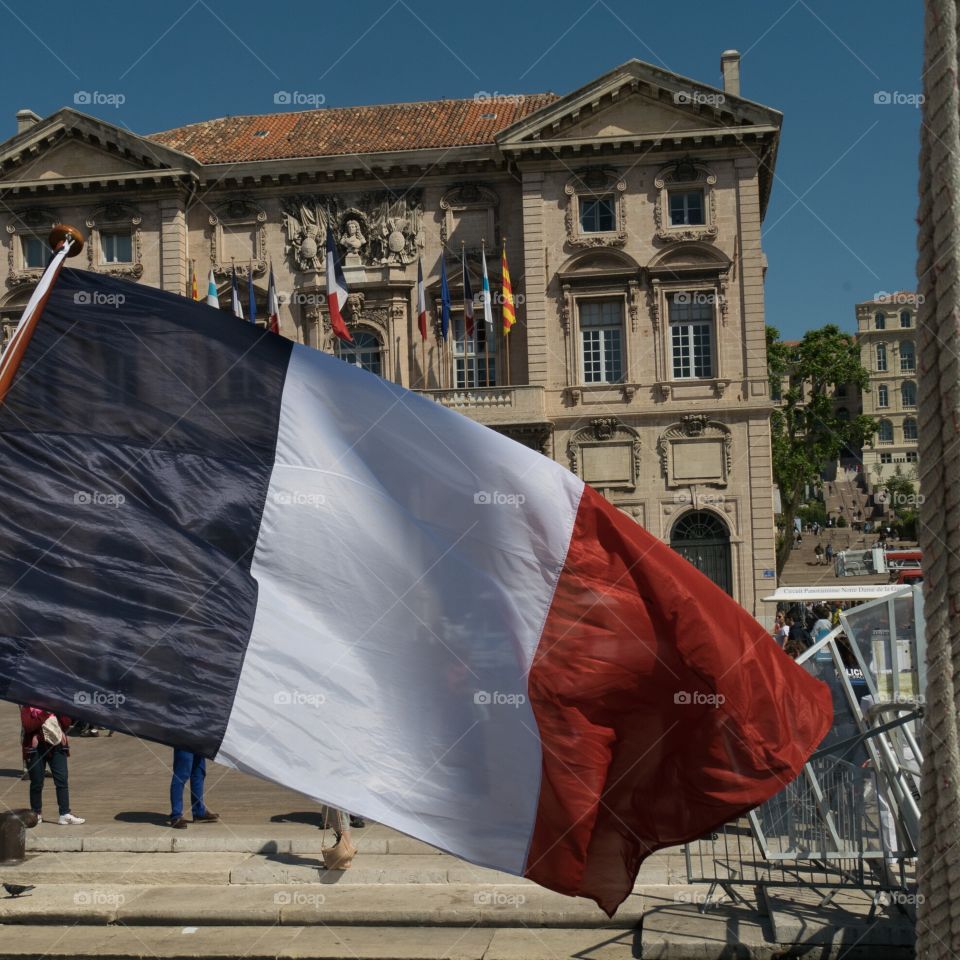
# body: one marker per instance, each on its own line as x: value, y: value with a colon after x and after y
x: 696, y: 450
x: 373, y: 229
x: 606, y: 453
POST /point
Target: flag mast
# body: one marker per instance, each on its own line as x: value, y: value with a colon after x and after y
x: 65, y: 241
x: 503, y: 330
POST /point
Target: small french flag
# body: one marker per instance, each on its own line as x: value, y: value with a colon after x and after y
x: 273, y: 305
x: 336, y: 290
x: 421, y: 302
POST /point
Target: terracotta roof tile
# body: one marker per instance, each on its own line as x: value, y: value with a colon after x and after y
x: 347, y: 130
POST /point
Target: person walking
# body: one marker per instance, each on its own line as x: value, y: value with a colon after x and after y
x: 818, y: 554
x: 190, y: 767
x: 340, y: 855
x: 828, y: 554
x: 45, y: 744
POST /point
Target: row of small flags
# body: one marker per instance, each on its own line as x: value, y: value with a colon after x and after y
x: 509, y: 308
x: 213, y: 299
x: 337, y: 296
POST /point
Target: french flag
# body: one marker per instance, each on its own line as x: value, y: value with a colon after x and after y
x: 531, y: 681
x: 336, y: 290
x: 421, y: 302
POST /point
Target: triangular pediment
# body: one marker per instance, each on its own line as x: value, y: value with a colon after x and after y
x: 636, y: 100
x: 72, y: 146
x: 69, y: 159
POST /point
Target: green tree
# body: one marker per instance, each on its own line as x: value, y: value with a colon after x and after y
x: 902, y: 499
x: 806, y: 432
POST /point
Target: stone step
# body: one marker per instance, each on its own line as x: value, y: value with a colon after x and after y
x: 216, y: 838
x: 241, y: 868
x: 323, y: 943
x: 405, y: 905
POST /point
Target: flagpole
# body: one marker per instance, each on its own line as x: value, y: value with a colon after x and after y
x: 504, y: 335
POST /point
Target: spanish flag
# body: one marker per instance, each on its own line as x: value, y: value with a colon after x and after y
x: 194, y: 290
x: 509, y: 313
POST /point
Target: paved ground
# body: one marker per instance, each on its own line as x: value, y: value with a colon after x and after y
x: 124, y: 780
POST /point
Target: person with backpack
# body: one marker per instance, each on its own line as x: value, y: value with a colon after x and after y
x: 45, y: 744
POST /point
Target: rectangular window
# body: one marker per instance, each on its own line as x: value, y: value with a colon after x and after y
x: 886, y: 458
x: 116, y: 247
x: 911, y: 456
x: 597, y: 215
x: 686, y: 208
x: 601, y: 340
x: 474, y: 359
x: 691, y: 335
x: 36, y: 253
x: 883, y: 396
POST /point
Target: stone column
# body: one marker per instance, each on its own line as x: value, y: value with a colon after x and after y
x: 534, y: 284
x: 751, y: 272
x: 763, y: 546
x: 174, y: 269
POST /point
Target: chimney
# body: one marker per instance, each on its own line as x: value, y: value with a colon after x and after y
x: 26, y: 119
x: 730, y: 68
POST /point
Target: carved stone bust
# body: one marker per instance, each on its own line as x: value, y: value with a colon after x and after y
x: 352, y: 239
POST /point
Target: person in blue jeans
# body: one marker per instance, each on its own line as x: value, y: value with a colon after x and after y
x: 192, y: 767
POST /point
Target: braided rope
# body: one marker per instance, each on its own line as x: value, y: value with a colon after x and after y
x: 938, y: 922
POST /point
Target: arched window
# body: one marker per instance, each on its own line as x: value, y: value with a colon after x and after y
x: 908, y: 356
x: 365, y: 352
x: 881, y: 357
x: 905, y: 319
x: 885, y: 432
x: 908, y: 393
x: 909, y: 429
x: 703, y: 539
x: 883, y: 396
x: 879, y: 321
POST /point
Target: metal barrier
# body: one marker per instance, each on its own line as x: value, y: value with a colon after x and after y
x: 851, y: 818
x: 823, y: 831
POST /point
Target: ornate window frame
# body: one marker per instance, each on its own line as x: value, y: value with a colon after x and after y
x: 119, y: 216
x: 659, y: 293
x: 26, y: 222
x: 238, y: 212
x: 596, y: 182
x: 606, y: 432
x: 692, y: 174
x: 690, y: 429
x: 465, y: 197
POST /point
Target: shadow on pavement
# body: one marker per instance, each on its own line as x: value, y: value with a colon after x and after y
x: 142, y: 816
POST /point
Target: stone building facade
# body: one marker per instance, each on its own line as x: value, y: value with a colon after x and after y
x: 630, y: 211
x: 887, y: 335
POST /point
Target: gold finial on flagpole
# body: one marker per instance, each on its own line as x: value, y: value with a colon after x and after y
x: 59, y: 234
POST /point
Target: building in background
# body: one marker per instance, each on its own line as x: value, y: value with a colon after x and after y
x: 630, y: 210
x: 887, y: 335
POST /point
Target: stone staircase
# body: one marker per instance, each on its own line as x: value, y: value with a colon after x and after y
x: 218, y: 890
x: 222, y: 891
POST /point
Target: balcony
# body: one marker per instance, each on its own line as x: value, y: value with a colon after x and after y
x: 494, y: 405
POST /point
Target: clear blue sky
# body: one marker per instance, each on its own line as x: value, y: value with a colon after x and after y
x: 841, y: 225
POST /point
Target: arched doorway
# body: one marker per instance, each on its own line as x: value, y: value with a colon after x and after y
x: 703, y: 539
